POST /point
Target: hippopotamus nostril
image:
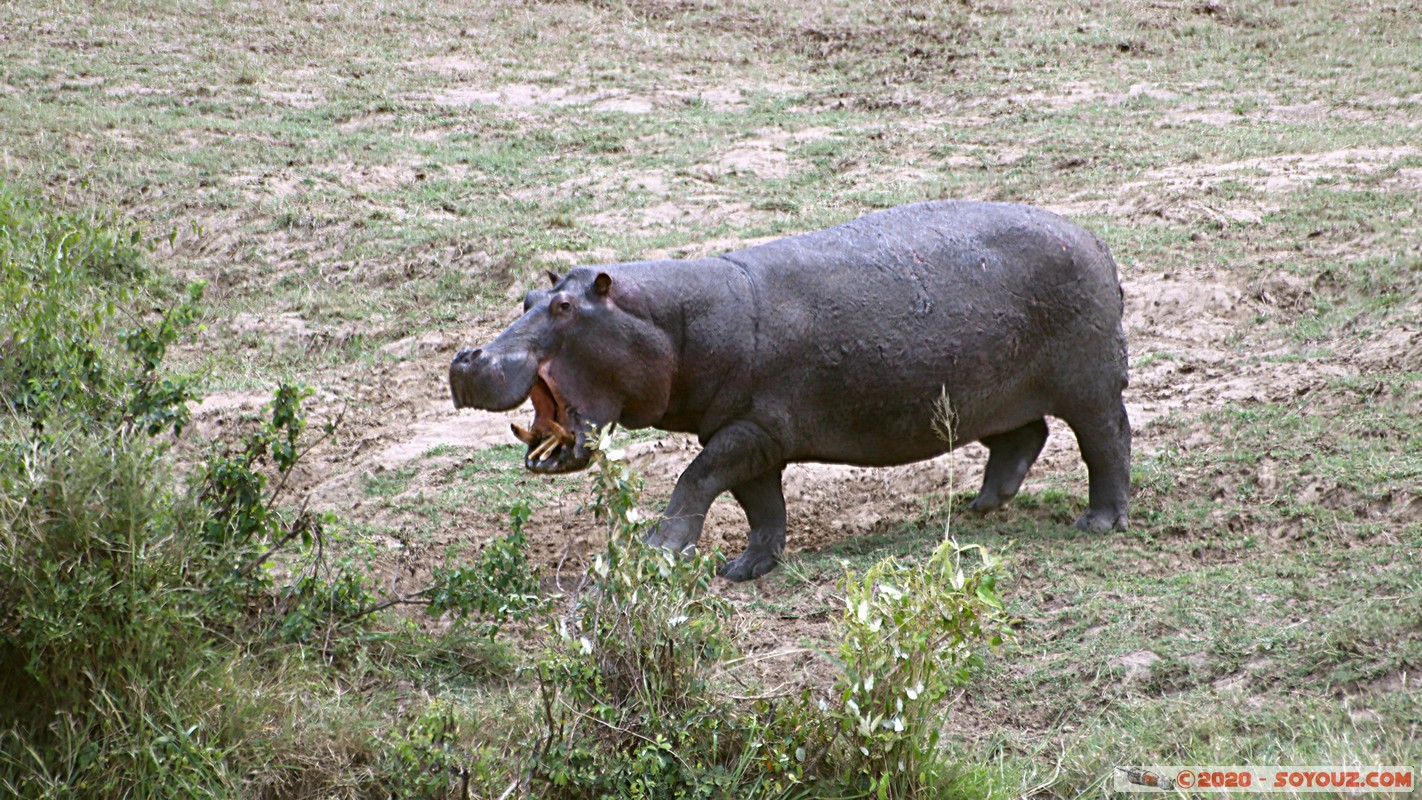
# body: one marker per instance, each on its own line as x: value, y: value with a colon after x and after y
x: 466, y: 355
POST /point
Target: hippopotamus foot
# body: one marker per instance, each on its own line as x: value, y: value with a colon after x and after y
x: 749, y: 565
x: 677, y: 534
x: 763, y: 499
x: 1105, y: 441
x: 1010, y: 455
x: 1101, y: 521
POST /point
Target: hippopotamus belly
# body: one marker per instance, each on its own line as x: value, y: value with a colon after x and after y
x: 835, y: 346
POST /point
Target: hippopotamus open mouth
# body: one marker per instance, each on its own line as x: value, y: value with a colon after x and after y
x: 556, y: 441
x: 557, y: 438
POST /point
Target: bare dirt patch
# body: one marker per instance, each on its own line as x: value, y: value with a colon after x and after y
x: 1283, y: 173
x: 295, y: 98
x: 1066, y: 95
x: 453, y: 65
x: 705, y: 209
x: 761, y: 156
x: 758, y: 161
x: 1182, y: 192
x: 518, y: 96
x: 527, y: 97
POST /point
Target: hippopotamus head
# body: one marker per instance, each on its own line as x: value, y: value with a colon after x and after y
x: 586, y: 351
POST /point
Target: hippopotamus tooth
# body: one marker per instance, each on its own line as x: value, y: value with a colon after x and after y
x: 834, y: 346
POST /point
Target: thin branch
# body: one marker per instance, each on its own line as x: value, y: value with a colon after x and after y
x: 285, y: 474
x: 775, y: 694
x: 298, y: 526
x: 397, y: 600
x: 729, y: 664
x: 624, y: 731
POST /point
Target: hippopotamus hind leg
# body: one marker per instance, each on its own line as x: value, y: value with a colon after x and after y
x: 1010, y: 455
x: 1105, y: 440
x: 763, y: 499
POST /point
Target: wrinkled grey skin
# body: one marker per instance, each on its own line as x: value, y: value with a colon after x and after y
x: 832, y: 346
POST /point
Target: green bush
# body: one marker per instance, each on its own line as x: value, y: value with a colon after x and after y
x: 628, y: 710
x: 632, y: 704
x: 498, y: 586
x: 117, y: 677
x: 133, y: 584
x: 65, y: 280
x: 910, y: 636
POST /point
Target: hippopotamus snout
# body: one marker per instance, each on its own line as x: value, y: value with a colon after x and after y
x: 486, y: 378
x: 492, y: 381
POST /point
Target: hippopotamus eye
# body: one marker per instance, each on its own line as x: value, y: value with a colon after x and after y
x: 565, y: 306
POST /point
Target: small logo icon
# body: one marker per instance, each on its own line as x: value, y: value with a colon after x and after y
x: 1145, y: 777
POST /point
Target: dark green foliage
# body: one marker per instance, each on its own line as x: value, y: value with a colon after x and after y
x: 499, y: 585
x: 233, y: 487
x: 96, y: 580
x: 64, y: 281
x: 131, y: 587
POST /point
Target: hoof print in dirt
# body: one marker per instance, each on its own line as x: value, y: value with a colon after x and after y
x: 835, y: 346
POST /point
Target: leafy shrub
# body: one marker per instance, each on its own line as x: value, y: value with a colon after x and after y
x: 625, y: 684
x: 99, y: 618
x: 910, y: 636
x: 632, y: 706
x: 498, y: 586
x: 64, y: 280
x: 445, y: 751
x: 131, y: 586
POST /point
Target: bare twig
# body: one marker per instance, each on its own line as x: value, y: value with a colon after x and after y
x: 729, y: 664
x: 634, y: 734
x: 773, y: 695
x: 397, y: 600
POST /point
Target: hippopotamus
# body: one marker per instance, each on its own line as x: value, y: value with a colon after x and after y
x: 833, y: 346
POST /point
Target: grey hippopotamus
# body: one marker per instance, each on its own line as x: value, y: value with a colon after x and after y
x: 833, y: 346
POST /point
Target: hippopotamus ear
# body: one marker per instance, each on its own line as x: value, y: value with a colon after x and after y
x: 602, y: 284
x: 534, y: 298
x: 553, y: 277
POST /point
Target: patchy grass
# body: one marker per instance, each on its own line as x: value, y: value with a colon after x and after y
x: 366, y: 187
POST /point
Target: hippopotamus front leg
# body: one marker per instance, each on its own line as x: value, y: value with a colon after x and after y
x: 740, y: 457
x: 763, y: 499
